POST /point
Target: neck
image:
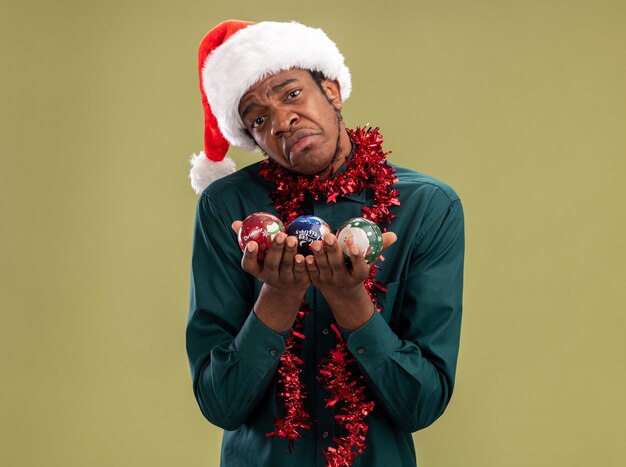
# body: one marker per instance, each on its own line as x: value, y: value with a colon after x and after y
x: 342, y: 151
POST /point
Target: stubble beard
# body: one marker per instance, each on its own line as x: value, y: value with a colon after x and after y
x: 338, y: 143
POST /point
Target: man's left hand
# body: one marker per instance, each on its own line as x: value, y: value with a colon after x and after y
x: 341, y: 281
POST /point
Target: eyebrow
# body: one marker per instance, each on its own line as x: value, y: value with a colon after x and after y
x: 281, y: 85
x: 274, y: 90
x: 248, y: 109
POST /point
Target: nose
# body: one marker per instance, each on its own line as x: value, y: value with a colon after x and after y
x: 283, y: 119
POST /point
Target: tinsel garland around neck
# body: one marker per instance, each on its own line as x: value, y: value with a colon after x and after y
x: 367, y: 168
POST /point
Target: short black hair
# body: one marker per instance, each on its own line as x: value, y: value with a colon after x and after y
x: 318, y: 77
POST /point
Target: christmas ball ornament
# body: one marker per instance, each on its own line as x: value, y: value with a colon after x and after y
x: 307, y: 229
x: 261, y: 227
x: 366, y: 235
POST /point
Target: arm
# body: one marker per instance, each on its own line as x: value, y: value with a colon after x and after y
x: 411, y: 372
x: 232, y: 354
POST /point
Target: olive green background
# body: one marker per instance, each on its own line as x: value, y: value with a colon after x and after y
x: 520, y: 106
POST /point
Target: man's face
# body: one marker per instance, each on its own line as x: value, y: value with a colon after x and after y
x: 295, y: 123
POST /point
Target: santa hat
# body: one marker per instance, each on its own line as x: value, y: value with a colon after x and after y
x: 235, y: 55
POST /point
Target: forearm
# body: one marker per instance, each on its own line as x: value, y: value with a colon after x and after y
x: 277, y: 309
x: 410, y: 384
x: 419, y: 393
x: 234, y: 374
x: 238, y: 370
x: 351, y: 308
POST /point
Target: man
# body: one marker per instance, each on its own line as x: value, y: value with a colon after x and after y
x: 316, y: 360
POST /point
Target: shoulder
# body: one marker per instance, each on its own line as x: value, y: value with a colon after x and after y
x: 238, y: 191
x: 424, y: 194
x: 243, y: 182
x: 425, y: 203
x: 237, y: 195
x: 412, y: 183
x: 428, y: 208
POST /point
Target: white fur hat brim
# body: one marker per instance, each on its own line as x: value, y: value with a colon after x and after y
x: 258, y: 51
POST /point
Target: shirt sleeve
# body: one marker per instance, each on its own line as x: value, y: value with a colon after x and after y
x: 232, y: 354
x: 411, y: 371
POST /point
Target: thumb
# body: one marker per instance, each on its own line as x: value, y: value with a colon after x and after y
x: 236, y: 226
x: 389, y: 238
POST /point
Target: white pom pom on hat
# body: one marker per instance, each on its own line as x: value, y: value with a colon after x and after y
x: 235, y: 55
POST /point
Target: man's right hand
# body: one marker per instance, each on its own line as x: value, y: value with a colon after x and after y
x: 282, y: 268
x: 285, y: 279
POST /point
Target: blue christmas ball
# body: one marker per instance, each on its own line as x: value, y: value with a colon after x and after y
x: 307, y: 229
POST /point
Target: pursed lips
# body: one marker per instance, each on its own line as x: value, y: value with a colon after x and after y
x: 294, y: 139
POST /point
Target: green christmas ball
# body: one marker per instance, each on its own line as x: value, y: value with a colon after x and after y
x: 366, y: 235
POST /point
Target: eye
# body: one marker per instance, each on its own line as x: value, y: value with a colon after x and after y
x: 294, y: 93
x: 257, y: 122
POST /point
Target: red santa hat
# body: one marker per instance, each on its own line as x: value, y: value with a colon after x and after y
x: 235, y: 55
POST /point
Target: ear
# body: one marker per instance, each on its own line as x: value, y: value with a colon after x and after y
x: 333, y: 93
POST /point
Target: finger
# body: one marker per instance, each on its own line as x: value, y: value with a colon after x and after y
x: 236, y: 225
x: 389, y: 238
x: 274, y: 254
x: 311, y: 267
x: 321, y: 261
x: 334, y: 254
x: 286, y: 263
x: 299, y: 269
x: 360, y: 269
x: 249, y: 261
